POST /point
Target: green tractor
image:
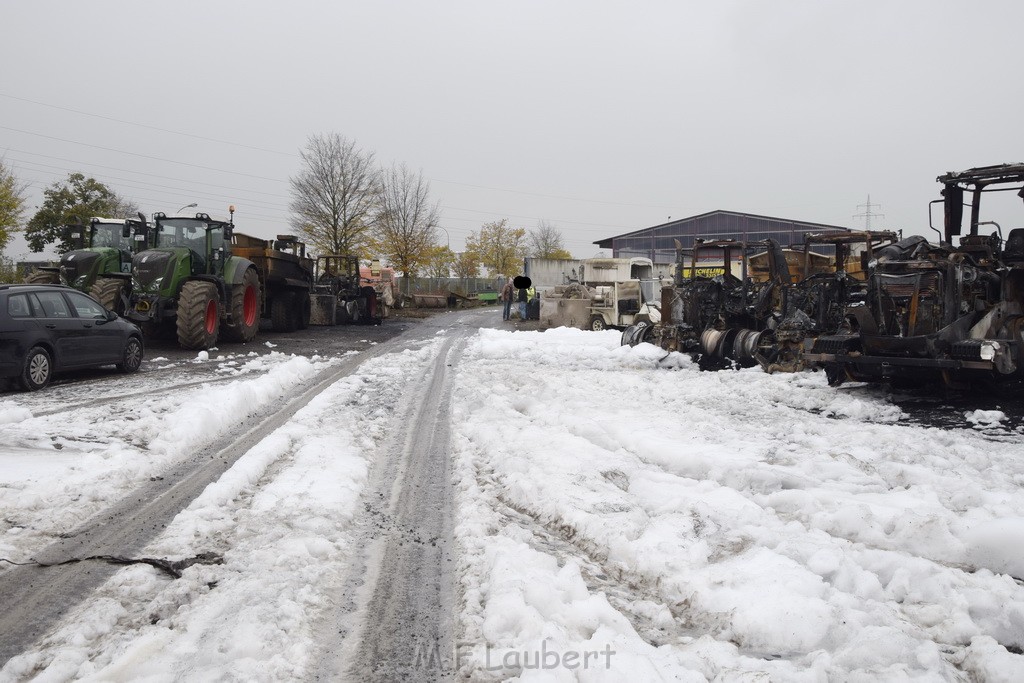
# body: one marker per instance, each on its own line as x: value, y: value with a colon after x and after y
x: 190, y: 282
x: 100, y: 261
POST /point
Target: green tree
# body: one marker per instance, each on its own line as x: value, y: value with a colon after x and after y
x: 546, y: 242
x: 500, y: 249
x: 74, y: 200
x: 12, y: 204
x: 440, y: 262
x: 335, y: 196
x: 467, y: 264
x: 8, y: 271
x: 407, y: 220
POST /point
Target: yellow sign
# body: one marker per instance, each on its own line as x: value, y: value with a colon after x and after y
x: 706, y: 271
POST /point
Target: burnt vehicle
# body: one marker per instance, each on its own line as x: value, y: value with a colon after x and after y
x: 942, y: 313
x: 340, y: 296
x: 711, y: 312
x: 822, y: 298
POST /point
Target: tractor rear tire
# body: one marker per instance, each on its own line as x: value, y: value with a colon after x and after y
x: 198, y: 315
x: 245, y: 309
x: 108, y: 290
x: 42, y: 277
x: 282, y: 317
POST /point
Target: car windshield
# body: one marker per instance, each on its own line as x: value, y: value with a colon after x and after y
x: 182, y: 232
x: 109, y: 235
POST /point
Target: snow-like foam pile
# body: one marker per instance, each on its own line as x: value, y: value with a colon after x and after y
x: 725, y: 525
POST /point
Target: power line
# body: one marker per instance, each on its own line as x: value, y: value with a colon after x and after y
x: 150, y: 186
x: 143, y: 125
x: 554, y: 196
x: 136, y: 154
x: 128, y: 170
x: 293, y: 155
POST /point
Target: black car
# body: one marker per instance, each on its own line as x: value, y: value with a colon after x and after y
x: 45, y: 329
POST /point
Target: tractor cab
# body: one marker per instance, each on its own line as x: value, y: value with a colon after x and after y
x: 99, y: 248
x: 205, y: 243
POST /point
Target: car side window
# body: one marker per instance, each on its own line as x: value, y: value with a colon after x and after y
x: 86, y: 307
x: 51, y: 305
x: 18, y: 306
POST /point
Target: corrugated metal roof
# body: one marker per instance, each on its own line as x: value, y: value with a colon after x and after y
x: 669, y: 228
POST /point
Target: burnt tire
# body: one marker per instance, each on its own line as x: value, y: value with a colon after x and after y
x: 245, y: 309
x: 305, y: 310
x: 37, y: 370
x: 42, y: 277
x: 597, y: 324
x: 282, y: 316
x: 198, y: 315
x: 108, y: 291
x: 131, y: 359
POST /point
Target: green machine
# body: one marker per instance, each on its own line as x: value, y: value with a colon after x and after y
x: 190, y: 282
x: 100, y: 261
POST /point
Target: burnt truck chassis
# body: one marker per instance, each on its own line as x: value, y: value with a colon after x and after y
x: 719, y: 319
x: 820, y: 303
x: 942, y: 313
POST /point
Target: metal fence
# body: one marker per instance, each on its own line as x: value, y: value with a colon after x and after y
x: 444, y: 285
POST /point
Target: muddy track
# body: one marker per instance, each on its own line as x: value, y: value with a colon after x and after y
x: 35, y: 598
x: 396, y: 617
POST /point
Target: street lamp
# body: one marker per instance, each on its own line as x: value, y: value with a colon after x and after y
x: 447, y: 236
x: 188, y: 206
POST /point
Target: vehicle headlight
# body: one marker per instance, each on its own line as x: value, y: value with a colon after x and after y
x: 988, y: 350
x: 80, y: 281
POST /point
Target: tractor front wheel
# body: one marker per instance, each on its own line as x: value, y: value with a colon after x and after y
x: 245, y: 309
x: 597, y: 323
x: 198, y: 315
x: 43, y: 277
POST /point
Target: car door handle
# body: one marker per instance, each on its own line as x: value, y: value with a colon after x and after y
x: 50, y: 326
x: 86, y: 325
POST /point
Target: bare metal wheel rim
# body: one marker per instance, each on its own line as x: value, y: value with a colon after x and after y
x: 39, y: 368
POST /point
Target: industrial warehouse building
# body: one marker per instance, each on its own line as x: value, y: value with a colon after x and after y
x: 658, y: 242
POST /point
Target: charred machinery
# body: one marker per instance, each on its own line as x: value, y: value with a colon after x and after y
x: 942, y: 313
x: 286, y: 278
x: 340, y: 294
x: 823, y: 298
x: 711, y: 311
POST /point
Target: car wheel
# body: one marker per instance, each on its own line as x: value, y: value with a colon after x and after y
x: 132, y: 359
x: 597, y: 323
x: 37, y: 370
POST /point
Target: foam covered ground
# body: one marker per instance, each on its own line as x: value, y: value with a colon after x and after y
x: 721, y: 525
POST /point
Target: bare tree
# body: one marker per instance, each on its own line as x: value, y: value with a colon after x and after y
x: 335, y: 195
x: 546, y: 242
x: 407, y: 220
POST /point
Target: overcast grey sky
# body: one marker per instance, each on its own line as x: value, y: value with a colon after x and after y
x: 599, y: 117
